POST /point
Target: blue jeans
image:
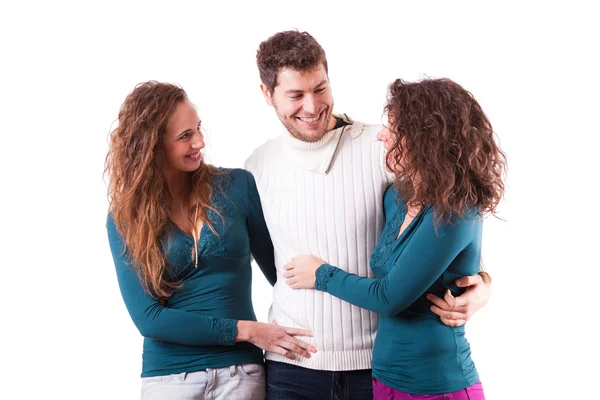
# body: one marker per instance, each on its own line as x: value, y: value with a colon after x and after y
x: 291, y: 382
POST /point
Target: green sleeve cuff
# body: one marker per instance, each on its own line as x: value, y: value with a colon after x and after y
x: 323, y: 274
x: 227, y: 330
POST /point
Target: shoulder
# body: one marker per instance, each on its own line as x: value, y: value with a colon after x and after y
x: 364, y: 131
x: 111, y: 226
x: 470, y: 223
x: 262, y: 151
x: 390, y: 197
x: 365, y: 135
x: 392, y: 202
x: 237, y: 174
x: 236, y: 182
x: 370, y: 131
x: 114, y: 236
x: 232, y: 178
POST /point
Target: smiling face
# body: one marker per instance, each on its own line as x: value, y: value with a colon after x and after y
x: 183, y: 139
x: 303, y: 102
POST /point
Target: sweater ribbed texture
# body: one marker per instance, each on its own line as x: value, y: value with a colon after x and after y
x: 324, y: 198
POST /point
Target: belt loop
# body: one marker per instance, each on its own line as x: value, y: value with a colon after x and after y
x: 232, y: 371
x: 182, y: 376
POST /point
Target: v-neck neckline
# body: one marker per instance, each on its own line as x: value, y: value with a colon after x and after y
x: 397, y: 234
x: 187, y: 235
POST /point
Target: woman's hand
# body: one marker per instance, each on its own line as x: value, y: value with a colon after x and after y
x: 301, y: 272
x: 274, y: 338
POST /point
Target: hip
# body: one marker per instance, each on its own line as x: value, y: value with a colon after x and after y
x: 242, y: 381
x: 383, y: 392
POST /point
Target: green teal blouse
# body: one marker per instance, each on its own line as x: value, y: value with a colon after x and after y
x: 196, y: 328
x: 413, y: 351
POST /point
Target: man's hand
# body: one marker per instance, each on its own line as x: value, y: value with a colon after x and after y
x: 456, y: 311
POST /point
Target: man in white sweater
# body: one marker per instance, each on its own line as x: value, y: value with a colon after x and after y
x: 321, y: 185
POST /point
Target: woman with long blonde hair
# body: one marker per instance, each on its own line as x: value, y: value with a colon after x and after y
x: 182, y: 233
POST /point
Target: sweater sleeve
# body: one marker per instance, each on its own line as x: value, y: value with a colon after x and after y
x: 156, y: 321
x: 428, y: 254
x: 261, y: 245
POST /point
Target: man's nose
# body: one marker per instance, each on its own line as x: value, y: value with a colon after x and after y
x: 310, y: 104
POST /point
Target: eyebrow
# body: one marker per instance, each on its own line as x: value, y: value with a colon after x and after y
x: 187, y: 130
x: 294, y: 91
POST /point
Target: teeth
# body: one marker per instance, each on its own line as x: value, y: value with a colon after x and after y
x: 309, y: 120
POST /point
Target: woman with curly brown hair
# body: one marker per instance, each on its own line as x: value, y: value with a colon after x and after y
x: 449, y: 175
x: 182, y: 233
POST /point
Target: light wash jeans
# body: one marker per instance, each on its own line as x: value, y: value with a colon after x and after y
x: 245, y: 382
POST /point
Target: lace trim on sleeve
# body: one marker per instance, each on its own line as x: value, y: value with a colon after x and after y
x: 323, y: 274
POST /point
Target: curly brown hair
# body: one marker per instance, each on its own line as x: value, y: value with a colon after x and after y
x: 138, y: 195
x: 444, y: 151
x: 288, y: 49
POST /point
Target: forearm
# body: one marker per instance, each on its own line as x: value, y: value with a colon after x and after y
x: 183, y: 327
x: 367, y: 293
x: 429, y: 253
x: 156, y: 321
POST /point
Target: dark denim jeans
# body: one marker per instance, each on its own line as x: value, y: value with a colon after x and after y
x: 291, y: 382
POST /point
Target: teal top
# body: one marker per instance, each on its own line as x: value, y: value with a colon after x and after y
x: 414, y: 351
x: 196, y: 328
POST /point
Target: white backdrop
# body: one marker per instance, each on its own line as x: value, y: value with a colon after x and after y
x: 66, y: 68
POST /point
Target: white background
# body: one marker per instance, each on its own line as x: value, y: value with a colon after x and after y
x: 66, y: 69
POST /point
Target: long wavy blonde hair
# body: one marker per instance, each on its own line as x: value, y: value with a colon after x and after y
x: 139, y: 199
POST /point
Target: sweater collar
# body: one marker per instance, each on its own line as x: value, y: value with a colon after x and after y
x: 316, y: 156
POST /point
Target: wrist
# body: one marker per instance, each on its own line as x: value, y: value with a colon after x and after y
x: 322, y: 276
x: 244, y: 331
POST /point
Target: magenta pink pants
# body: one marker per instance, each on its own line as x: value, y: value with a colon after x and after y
x: 384, y: 392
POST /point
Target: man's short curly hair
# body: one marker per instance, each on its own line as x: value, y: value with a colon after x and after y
x: 288, y: 49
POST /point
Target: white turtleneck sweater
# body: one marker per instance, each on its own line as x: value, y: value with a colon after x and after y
x: 324, y: 198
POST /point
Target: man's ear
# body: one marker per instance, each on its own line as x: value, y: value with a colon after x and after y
x: 265, y: 91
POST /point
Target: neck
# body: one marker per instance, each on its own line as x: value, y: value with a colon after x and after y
x: 331, y: 124
x: 177, y: 182
x: 414, y: 210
